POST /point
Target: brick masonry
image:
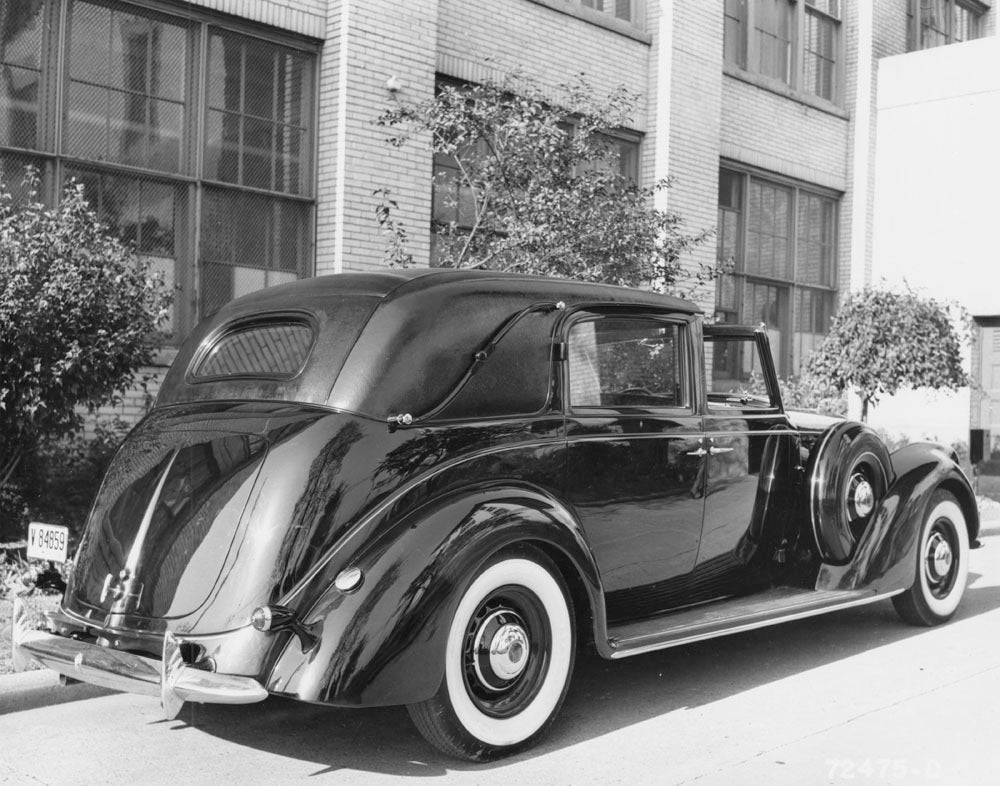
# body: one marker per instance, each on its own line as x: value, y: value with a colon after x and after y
x: 693, y: 124
x: 366, y: 44
x: 305, y: 17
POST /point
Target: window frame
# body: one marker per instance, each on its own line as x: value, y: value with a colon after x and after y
x: 51, y: 145
x: 635, y: 15
x: 747, y: 50
x: 634, y: 26
x: 686, y: 364
x: 246, y: 324
x: 794, y: 285
x: 714, y: 334
x: 915, y: 27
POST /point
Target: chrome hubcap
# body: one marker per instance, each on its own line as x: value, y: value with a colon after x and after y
x: 509, y: 651
x: 939, y: 557
x: 502, y: 650
x: 506, y: 651
x: 862, y: 497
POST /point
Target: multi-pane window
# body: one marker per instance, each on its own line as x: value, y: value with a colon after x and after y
x: 938, y: 22
x: 148, y: 213
x: 127, y: 84
x: 626, y: 10
x: 257, y: 124
x: 734, y: 35
x: 772, y: 36
x: 250, y: 241
x: 22, y: 39
x: 779, y: 242
x: 170, y: 144
x: 13, y: 168
x: 819, y: 48
x: 795, y: 43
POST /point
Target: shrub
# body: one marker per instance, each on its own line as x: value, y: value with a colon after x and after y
x: 537, y: 193
x: 78, y: 316
x: 882, y: 341
x: 805, y: 391
x: 58, y: 480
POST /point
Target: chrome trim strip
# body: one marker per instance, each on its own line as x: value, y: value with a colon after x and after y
x: 132, y: 561
x: 626, y: 653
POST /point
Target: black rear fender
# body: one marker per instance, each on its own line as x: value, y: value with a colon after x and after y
x: 381, y: 644
x: 885, y: 556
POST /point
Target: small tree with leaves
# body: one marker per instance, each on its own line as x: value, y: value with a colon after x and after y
x: 882, y: 341
x: 78, y: 317
x: 537, y: 183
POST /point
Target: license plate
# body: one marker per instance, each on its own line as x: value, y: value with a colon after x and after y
x: 47, y: 541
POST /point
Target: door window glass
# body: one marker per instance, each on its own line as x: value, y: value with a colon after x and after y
x: 618, y: 362
x: 734, y: 374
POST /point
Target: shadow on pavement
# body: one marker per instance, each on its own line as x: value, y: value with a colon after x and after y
x: 33, y: 689
x: 604, y: 696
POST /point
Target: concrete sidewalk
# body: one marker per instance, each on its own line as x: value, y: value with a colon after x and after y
x: 33, y: 689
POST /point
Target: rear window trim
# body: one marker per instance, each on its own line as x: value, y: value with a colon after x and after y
x: 211, y: 341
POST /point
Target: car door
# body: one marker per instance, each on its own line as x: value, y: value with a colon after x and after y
x: 752, y: 465
x: 635, y: 468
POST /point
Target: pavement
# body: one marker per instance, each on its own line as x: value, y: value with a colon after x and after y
x: 33, y: 689
x: 846, y: 698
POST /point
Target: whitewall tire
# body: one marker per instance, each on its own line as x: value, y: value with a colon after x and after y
x: 507, y: 661
x: 942, y: 564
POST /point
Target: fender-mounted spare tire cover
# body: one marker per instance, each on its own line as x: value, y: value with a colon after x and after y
x: 849, y: 474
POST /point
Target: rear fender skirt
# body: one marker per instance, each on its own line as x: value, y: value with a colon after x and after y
x: 885, y: 556
x: 381, y: 644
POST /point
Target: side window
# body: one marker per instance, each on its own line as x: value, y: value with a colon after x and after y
x: 622, y: 362
x: 734, y: 374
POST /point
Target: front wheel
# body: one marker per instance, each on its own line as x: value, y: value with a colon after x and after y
x: 508, y: 659
x: 942, y: 565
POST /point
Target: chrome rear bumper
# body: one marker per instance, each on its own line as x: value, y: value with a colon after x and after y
x: 174, y: 681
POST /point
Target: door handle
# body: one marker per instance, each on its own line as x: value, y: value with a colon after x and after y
x: 714, y: 451
x: 699, y: 452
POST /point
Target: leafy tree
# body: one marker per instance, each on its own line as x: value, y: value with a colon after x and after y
x: 538, y: 186
x: 78, y: 316
x: 882, y: 341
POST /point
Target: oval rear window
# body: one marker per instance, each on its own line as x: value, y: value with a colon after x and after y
x: 264, y: 348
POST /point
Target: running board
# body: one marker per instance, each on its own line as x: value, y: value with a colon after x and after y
x: 735, y: 615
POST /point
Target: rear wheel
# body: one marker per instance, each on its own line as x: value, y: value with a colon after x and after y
x: 508, y: 659
x: 942, y: 565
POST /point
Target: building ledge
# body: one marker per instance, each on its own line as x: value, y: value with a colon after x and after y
x: 598, y: 18
x: 783, y: 90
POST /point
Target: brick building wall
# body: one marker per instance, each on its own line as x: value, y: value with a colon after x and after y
x: 693, y: 125
x: 484, y: 39
x: 784, y: 135
x: 366, y: 44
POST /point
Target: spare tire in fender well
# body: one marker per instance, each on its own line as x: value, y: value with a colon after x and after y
x: 848, y: 475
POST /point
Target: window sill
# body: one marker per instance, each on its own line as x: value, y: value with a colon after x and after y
x: 606, y: 21
x: 783, y: 90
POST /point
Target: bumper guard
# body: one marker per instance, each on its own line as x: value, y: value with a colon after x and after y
x: 174, y: 681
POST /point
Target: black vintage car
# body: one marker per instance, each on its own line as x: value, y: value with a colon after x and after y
x: 426, y: 487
